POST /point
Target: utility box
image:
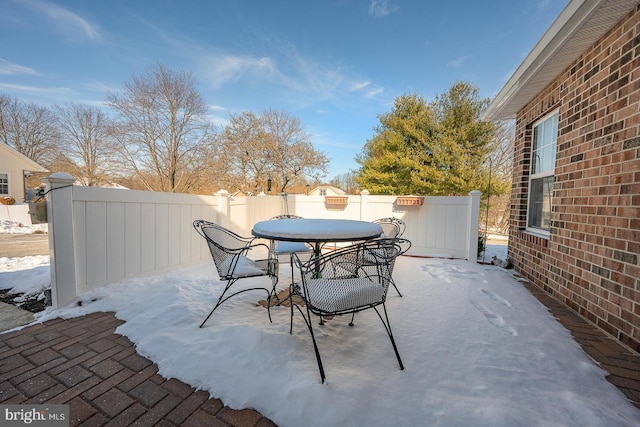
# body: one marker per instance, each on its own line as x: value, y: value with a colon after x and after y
x: 38, y: 212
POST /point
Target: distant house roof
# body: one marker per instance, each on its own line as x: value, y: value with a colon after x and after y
x: 29, y: 164
x: 331, y: 188
x: 578, y: 27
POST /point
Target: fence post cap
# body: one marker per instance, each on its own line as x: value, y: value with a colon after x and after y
x: 475, y: 193
x: 59, y: 178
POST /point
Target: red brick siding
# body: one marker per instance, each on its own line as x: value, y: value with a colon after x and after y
x: 591, y: 261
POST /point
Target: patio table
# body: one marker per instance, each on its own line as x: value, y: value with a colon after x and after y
x: 316, y: 231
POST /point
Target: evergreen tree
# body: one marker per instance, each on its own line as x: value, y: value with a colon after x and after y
x: 429, y: 149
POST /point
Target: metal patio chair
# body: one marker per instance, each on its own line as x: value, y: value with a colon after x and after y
x: 339, y: 282
x: 230, y: 256
x: 403, y: 245
x: 391, y: 227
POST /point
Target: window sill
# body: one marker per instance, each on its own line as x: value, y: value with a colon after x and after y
x: 541, y: 239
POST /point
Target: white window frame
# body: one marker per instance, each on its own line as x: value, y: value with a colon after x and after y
x: 8, y: 184
x: 547, y: 150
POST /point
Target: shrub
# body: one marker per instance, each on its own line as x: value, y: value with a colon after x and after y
x: 482, y: 245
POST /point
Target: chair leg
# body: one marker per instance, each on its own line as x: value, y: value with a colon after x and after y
x: 307, y: 320
x: 223, y: 298
x: 388, y: 273
x: 292, y: 261
x: 394, y: 285
x: 219, y: 302
x: 291, y: 305
x: 387, y: 327
x: 315, y: 345
x: 274, y: 292
x: 210, y: 313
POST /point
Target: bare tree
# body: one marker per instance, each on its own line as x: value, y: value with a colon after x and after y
x: 502, y: 156
x: 273, y: 147
x: 85, y: 141
x: 499, y: 167
x: 161, y: 125
x: 28, y: 128
x: 241, y: 162
x: 346, y: 182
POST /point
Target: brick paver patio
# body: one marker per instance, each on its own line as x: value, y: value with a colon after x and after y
x: 82, y: 362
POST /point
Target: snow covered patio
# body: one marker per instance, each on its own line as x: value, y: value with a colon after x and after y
x: 478, y: 347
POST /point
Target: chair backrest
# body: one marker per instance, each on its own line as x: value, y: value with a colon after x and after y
x: 400, y: 246
x: 391, y: 227
x: 350, y: 278
x: 224, y: 246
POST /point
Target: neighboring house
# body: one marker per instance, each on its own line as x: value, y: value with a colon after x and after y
x: 575, y: 201
x: 326, y: 190
x: 14, y: 167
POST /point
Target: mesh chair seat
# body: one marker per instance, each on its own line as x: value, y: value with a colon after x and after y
x: 341, y: 296
x: 285, y: 248
x: 244, y: 267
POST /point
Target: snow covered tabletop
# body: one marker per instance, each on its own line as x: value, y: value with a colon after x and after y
x: 316, y: 230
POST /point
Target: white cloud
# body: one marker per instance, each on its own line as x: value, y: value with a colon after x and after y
x: 458, y: 62
x: 217, y: 108
x: 64, y: 21
x: 380, y: 8
x: 217, y: 120
x: 102, y: 87
x: 224, y: 68
x: 374, y: 92
x: 283, y: 70
x: 368, y: 89
x: 218, y: 115
x: 310, y: 80
x: 43, y: 96
x: 358, y: 86
x: 9, y: 68
x: 34, y: 90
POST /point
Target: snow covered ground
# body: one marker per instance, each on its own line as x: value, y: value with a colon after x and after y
x: 478, y: 349
x: 7, y: 226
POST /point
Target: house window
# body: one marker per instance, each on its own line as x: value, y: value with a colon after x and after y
x: 541, y: 178
x: 4, y: 183
x: 323, y: 192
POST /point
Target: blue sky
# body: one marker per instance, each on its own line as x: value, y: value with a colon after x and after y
x: 335, y: 64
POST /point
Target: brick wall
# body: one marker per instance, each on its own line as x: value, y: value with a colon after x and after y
x: 591, y: 261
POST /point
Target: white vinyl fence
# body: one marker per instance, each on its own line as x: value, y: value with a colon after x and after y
x: 98, y: 235
x: 15, y: 213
